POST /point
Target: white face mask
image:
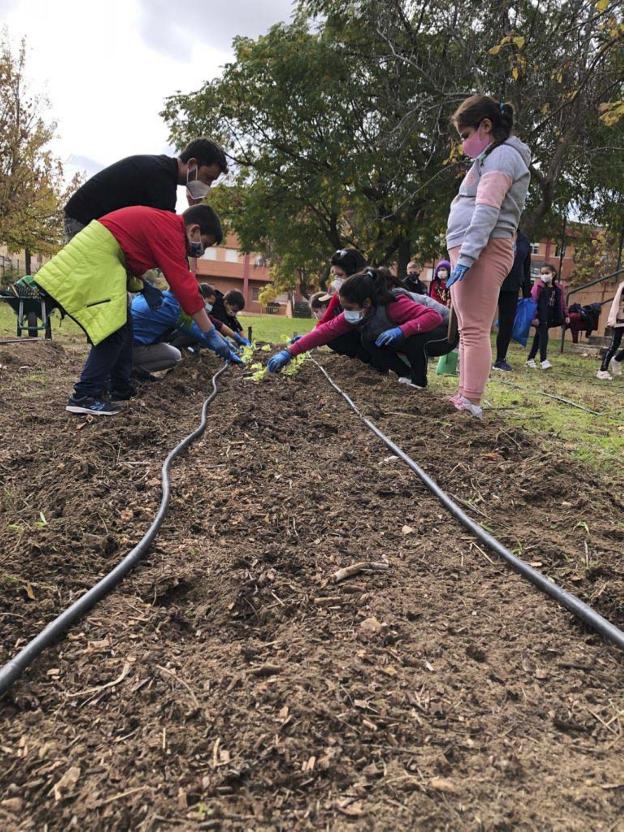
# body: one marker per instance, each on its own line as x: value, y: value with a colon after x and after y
x: 194, y: 188
x: 337, y: 283
x: 546, y: 278
x: 208, y: 307
x: 353, y: 316
x: 443, y: 274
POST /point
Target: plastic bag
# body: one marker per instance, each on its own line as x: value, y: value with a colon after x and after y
x: 526, y: 311
x: 447, y: 364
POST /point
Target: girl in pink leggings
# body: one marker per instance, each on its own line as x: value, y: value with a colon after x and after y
x: 482, y: 225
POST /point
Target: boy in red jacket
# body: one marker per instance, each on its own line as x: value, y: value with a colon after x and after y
x: 88, y: 277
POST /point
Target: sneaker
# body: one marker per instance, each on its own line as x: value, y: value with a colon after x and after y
x: 502, y: 365
x: 142, y: 375
x: 531, y: 363
x: 123, y: 395
x: 409, y: 382
x: 462, y: 403
x: 454, y: 400
x: 546, y: 365
x: 94, y: 407
x: 615, y: 367
x: 604, y: 375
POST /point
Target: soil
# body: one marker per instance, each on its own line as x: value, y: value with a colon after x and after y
x: 230, y: 683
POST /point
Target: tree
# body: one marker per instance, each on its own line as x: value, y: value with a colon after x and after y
x: 338, y: 122
x: 32, y: 189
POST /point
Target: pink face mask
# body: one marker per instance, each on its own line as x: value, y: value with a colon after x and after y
x: 476, y: 144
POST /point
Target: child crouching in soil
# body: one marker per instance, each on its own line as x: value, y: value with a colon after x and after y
x: 388, y: 323
x: 88, y: 278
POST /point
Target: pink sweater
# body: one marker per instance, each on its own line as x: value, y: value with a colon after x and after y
x: 411, y: 318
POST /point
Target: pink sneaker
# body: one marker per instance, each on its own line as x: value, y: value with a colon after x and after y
x: 465, y: 404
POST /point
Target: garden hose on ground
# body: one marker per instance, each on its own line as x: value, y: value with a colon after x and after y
x: 581, y: 610
x: 16, y: 666
x: 569, y: 402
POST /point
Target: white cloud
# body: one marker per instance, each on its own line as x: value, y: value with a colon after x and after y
x: 108, y: 67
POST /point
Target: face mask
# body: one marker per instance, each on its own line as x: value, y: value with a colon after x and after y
x: 208, y: 307
x: 337, y: 283
x: 196, y: 249
x: 443, y: 274
x: 476, y: 144
x: 546, y: 278
x: 194, y: 188
x: 353, y: 316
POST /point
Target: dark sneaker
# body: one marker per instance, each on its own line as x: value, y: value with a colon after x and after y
x: 123, y: 395
x: 90, y: 406
x: 142, y: 375
x: 502, y: 365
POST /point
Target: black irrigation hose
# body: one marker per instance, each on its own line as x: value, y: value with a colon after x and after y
x: 581, y: 610
x: 13, y: 669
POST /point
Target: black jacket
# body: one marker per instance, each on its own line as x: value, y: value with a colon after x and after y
x: 520, y: 275
x: 219, y: 312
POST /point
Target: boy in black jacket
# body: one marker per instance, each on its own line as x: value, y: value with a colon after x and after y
x: 518, y: 278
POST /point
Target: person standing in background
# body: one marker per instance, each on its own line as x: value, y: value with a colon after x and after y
x: 518, y: 278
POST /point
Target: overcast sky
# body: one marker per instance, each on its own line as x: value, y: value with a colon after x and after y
x: 107, y: 67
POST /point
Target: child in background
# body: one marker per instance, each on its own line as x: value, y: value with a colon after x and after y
x: 181, y: 334
x: 437, y: 288
x: 88, y: 278
x: 385, y: 322
x: 412, y: 282
x: 482, y: 224
x: 612, y: 361
x: 227, y: 306
x: 344, y: 263
x: 318, y: 304
x: 551, y: 311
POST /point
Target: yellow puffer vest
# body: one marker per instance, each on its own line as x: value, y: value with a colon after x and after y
x: 88, y: 279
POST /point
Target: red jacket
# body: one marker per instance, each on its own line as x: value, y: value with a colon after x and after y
x: 438, y: 291
x: 411, y: 318
x: 155, y: 239
x: 333, y: 309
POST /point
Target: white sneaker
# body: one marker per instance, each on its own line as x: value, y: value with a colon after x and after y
x: 603, y: 375
x: 462, y: 403
x: 531, y: 363
x: 546, y: 365
x: 405, y: 380
x: 615, y: 367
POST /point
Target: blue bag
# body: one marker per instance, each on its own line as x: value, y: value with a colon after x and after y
x: 526, y: 311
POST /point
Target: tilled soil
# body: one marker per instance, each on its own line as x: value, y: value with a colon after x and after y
x: 230, y: 683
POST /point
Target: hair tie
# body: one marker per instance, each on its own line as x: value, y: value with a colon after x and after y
x: 501, y: 107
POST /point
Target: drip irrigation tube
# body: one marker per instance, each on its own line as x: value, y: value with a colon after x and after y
x: 13, y: 669
x: 577, y: 607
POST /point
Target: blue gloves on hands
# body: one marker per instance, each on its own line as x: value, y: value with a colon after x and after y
x: 153, y: 296
x: 458, y: 273
x: 278, y: 361
x: 235, y: 358
x: 218, y: 344
x: 389, y: 337
x: 241, y: 340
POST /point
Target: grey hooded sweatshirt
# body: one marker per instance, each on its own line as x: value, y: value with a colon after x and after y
x: 490, y: 200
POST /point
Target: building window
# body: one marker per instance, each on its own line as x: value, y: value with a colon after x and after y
x: 231, y: 255
x: 558, y: 251
x: 209, y: 254
x: 260, y: 262
x: 534, y: 248
x: 255, y: 293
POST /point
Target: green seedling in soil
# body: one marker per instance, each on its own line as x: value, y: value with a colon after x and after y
x: 295, y: 365
x: 247, y: 353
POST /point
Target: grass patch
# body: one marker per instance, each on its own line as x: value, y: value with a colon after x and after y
x: 275, y: 328
x: 596, y: 440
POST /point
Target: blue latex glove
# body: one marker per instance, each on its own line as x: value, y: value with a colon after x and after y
x: 241, y: 340
x: 218, y: 344
x: 235, y: 358
x: 389, y: 337
x: 153, y: 296
x: 278, y: 361
x: 295, y: 338
x: 458, y: 273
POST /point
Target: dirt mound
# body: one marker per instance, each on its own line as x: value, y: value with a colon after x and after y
x: 231, y: 683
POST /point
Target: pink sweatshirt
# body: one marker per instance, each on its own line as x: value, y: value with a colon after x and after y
x: 411, y: 318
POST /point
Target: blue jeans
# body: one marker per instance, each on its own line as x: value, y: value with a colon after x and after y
x: 109, y: 365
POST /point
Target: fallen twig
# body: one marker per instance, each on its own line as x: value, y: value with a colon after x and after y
x: 356, y: 568
x: 100, y: 688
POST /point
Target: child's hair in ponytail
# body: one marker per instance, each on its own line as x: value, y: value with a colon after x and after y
x: 473, y: 110
x: 370, y: 284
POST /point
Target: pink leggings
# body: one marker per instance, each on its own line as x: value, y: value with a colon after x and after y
x: 474, y: 301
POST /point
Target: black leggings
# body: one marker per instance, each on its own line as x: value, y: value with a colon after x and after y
x: 540, y: 342
x: 616, y: 340
x: 417, y: 349
x: 350, y: 344
x: 507, y: 303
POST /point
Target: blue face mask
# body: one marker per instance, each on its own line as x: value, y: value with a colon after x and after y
x: 353, y: 316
